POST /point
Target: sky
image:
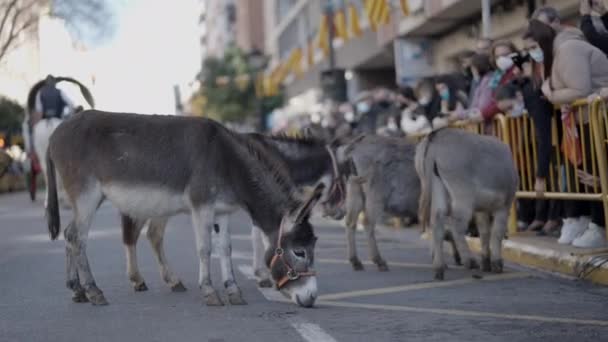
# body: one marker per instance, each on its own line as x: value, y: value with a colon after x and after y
x: 155, y: 46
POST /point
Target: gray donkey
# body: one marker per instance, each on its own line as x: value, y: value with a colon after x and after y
x: 463, y: 174
x: 381, y: 179
x: 158, y: 166
x: 308, y: 161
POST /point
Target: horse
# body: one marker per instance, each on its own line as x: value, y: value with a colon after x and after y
x: 123, y: 158
x: 309, y: 161
x: 464, y: 174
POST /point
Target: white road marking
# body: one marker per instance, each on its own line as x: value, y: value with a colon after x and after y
x: 310, y: 332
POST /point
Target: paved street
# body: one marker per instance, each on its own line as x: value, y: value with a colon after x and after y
x: 401, y: 305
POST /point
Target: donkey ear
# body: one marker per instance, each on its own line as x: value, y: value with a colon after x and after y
x: 306, y: 208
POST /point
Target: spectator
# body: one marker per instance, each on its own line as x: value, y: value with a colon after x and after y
x: 506, y: 70
x: 480, y: 93
x: 574, y: 69
x: 484, y: 46
x: 594, y: 27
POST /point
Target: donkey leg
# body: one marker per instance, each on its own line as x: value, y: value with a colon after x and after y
x: 351, y: 246
x: 461, y: 216
x: 131, y: 228
x: 73, y: 281
x: 372, y: 212
x: 76, y: 236
x: 233, y: 291
x: 499, y: 228
x: 439, y: 210
x: 259, y: 267
x: 155, y: 234
x: 203, y: 221
x: 354, y: 206
x: 483, y: 227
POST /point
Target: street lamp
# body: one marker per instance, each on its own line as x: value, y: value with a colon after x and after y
x: 258, y: 62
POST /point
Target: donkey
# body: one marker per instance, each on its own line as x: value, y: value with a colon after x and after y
x: 382, y: 179
x: 309, y: 161
x: 125, y: 158
x: 463, y: 174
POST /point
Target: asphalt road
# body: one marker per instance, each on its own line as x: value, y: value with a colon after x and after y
x: 404, y: 304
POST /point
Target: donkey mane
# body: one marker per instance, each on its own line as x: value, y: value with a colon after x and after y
x: 270, y: 168
x: 306, y: 158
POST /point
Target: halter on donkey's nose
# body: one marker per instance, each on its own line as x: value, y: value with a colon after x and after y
x: 279, y: 255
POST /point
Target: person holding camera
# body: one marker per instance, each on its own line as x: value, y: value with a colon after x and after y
x: 595, y: 27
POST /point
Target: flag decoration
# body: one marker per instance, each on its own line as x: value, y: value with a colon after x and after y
x: 340, y: 24
x: 353, y: 17
x: 405, y: 8
x: 323, y: 39
x: 378, y: 13
x: 310, y: 53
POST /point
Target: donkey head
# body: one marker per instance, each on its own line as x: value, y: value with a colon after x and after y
x: 290, y: 256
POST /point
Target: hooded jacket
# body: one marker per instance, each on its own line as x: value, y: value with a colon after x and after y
x: 579, y: 68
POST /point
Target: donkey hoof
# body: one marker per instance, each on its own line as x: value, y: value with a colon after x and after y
x: 79, y: 297
x: 457, y: 260
x: 357, y: 265
x: 178, y: 287
x: 382, y: 266
x: 213, y: 299
x: 440, y: 274
x: 97, y: 298
x: 471, y: 264
x: 141, y: 287
x: 497, y: 266
x: 486, y: 265
x: 236, y: 298
x: 265, y: 283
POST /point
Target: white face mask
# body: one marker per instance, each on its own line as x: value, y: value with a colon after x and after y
x: 504, y: 63
x: 537, y: 55
x: 518, y: 109
x: 362, y: 107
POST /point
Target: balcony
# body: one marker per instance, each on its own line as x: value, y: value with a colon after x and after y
x: 439, y: 16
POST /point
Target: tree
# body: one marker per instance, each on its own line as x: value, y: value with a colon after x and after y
x: 227, y: 99
x: 229, y: 89
x: 11, y: 115
x: 88, y: 19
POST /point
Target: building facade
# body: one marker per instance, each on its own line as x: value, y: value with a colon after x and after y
x: 425, y: 41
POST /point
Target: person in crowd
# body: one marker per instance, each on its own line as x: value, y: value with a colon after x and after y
x: 480, y: 92
x: 574, y: 69
x: 484, y: 46
x: 506, y: 70
x: 595, y: 27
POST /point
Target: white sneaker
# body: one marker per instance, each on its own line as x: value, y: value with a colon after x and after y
x: 572, y: 228
x: 594, y: 237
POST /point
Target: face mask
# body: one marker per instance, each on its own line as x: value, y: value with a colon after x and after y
x: 518, y: 109
x: 349, y: 116
x: 362, y: 107
x: 504, y: 63
x: 444, y: 94
x: 537, y: 55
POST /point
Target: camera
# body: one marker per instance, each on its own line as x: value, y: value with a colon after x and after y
x: 519, y: 59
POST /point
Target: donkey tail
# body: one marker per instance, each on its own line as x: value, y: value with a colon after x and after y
x: 52, y: 206
x: 420, y: 162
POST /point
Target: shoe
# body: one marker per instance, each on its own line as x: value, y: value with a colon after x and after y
x: 535, y: 226
x: 572, y: 228
x: 593, y: 237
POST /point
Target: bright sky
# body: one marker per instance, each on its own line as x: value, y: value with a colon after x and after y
x: 156, y: 46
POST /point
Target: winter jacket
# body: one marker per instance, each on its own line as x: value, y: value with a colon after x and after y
x: 579, y: 68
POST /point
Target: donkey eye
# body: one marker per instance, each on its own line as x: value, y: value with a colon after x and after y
x: 300, y: 253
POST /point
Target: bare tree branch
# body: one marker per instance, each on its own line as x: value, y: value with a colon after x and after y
x: 10, y: 6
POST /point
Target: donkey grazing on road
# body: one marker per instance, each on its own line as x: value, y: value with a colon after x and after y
x: 158, y: 166
x: 308, y: 161
x: 382, y: 179
x: 464, y: 174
